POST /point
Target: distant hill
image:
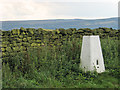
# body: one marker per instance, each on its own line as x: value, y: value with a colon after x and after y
x: 61, y: 23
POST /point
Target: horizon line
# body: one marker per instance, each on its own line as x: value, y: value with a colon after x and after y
x: 62, y: 19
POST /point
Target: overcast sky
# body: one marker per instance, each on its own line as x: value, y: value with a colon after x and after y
x: 57, y: 9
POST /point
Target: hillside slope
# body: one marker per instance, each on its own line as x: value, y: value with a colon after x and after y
x: 61, y: 23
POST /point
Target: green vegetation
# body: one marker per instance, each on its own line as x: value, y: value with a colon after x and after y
x: 37, y: 58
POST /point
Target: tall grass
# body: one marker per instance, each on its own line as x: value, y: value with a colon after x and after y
x: 58, y: 67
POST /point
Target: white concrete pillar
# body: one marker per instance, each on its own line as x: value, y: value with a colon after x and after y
x: 91, y: 54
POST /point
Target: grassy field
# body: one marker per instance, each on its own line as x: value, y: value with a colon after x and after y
x: 58, y: 67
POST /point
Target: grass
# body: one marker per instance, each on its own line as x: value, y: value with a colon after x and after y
x: 58, y: 67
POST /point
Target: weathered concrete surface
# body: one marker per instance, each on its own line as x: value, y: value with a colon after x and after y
x: 91, y: 54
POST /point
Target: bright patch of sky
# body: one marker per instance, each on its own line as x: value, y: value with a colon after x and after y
x: 57, y: 9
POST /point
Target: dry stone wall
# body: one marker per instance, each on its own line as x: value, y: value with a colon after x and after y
x: 19, y: 40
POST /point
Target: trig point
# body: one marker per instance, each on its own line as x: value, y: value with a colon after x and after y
x: 91, y: 54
